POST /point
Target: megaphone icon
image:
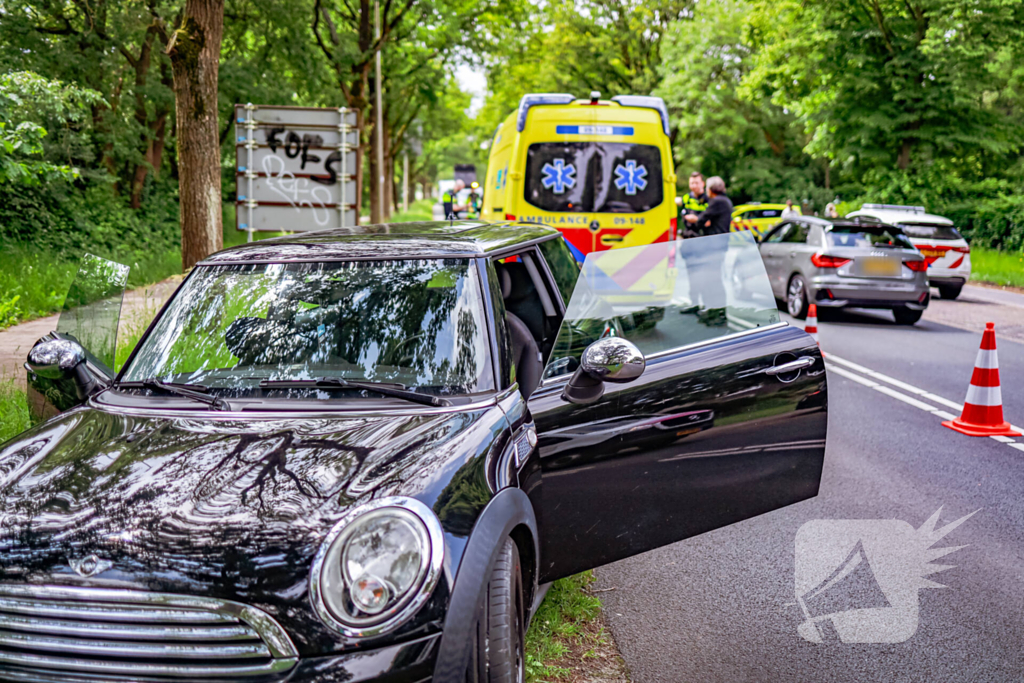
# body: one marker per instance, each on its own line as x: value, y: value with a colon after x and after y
x: 851, y: 586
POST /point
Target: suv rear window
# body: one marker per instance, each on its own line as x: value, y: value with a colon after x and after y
x: 931, y: 231
x: 601, y: 177
x: 868, y: 236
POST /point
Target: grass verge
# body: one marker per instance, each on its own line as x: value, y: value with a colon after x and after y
x: 998, y: 267
x: 420, y: 210
x: 567, y: 641
x: 13, y: 409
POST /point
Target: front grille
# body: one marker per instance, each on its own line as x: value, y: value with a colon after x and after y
x: 132, y: 633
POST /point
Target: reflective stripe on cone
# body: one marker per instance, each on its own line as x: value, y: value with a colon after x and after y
x: 811, y: 324
x: 983, y: 407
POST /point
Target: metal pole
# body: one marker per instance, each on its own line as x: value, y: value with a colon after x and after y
x: 380, y: 118
x: 405, y: 181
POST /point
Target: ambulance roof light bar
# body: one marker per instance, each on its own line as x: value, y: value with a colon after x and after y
x: 645, y: 102
x: 894, y: 207
x: 534, y: 99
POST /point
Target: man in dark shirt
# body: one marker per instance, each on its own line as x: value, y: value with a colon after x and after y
x: 704, y: 263
x: 715, y: 219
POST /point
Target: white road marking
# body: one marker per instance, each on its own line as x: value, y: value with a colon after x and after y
x: 848, y: 372
x: 897, y: 383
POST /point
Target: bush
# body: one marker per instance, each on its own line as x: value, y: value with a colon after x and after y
x: 44, y: 231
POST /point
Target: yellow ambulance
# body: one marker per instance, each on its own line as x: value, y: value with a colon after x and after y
x: 600, y: 171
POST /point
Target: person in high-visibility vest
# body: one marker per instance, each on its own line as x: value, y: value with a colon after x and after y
x: 694, y: 202
x: 474, y: 201
x: 451, y: 209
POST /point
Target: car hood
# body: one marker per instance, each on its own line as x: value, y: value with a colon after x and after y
x: 233, y: 509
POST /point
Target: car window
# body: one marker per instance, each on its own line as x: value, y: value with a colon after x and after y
x: 779, y: 233
x: 665, y: 296
x: 603, y: 177
x: 562, y: 264
x: 867, y: 236
x: 797, y: 233
x: 417, y: 323
x: 931, y: 231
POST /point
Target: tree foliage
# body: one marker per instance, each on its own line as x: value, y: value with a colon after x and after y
x: 27, y: 103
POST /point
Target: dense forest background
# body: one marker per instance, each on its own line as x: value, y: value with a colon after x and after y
x: 918, y: 101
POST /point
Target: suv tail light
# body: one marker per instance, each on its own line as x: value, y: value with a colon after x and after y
x: 961, y: 250
x: 822, y: 261
x: 673, y: 226
x: 917, y: 266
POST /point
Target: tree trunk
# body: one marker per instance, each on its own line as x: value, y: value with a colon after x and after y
x: 194, y: 50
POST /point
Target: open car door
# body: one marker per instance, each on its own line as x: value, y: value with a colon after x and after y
x: 86, y: 332
x: 727, y: 420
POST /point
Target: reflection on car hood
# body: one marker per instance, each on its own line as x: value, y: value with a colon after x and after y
x: 232, y: 509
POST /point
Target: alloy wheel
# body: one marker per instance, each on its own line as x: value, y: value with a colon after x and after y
x: 795, y: 297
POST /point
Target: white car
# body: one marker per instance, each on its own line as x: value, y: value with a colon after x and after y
x: 945, y: 251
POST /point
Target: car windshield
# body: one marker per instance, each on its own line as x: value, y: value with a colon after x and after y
x: 931, y: 231
x: 867, y: 236
x: 602, y: 177
x: 413, y: 323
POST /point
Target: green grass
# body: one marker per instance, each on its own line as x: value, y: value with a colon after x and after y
x: 13, y: 409
x: 420, y: 210
x: 564, y: 631
x: 997, y: 267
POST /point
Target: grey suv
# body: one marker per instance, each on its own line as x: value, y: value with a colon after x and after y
x: 838, y: 264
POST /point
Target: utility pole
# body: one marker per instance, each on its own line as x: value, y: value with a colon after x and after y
x: 405, y: 181
x: 382, y: 211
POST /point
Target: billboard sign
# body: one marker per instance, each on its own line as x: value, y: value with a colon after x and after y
x: 295, y: 168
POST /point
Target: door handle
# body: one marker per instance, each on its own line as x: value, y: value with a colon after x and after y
x: 792, y: 366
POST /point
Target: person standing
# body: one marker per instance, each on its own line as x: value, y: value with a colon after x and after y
x: 704, y: 263
x: 789, y: 211
x: 694, y: 202
x: 448, y: 199
x: 717, y: 216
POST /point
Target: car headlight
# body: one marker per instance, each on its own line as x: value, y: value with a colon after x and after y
x: 377, y: 566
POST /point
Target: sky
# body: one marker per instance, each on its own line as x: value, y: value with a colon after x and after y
x: 472, y: 80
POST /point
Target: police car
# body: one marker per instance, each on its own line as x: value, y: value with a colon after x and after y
x: 945, y: 251
x: 600, y: 171
x: 757, y: 218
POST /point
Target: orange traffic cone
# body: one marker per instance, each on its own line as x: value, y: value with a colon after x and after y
x: 811, y: 324
x: 983, y: 407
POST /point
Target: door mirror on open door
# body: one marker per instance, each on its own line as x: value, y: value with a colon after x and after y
x: 612, y: 359
x: 77, y: 359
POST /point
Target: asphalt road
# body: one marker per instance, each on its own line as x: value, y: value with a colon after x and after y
x: 722, y: 606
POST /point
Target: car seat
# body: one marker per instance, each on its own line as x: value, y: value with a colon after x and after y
x: 525, y: 352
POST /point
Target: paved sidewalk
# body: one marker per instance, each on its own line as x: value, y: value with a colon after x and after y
x: 138, y: 308
x: 978, y: 305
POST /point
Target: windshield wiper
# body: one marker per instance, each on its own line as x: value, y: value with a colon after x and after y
x: 339, y: 383
x: 196, y: 392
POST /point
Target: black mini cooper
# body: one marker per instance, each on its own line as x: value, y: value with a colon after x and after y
x: 362, y: 454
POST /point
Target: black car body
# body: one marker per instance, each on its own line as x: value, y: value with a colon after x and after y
x: 146, y: 533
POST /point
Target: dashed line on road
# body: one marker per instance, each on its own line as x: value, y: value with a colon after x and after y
x: 850, y: 370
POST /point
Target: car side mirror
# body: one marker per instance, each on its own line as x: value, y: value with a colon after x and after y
x: 62, y: 359
x: 611, y: 359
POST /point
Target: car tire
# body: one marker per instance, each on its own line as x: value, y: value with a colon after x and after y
x: 949, y: 291
x: 906, y: 316
x: 500, y: 652
x: 796, y: 297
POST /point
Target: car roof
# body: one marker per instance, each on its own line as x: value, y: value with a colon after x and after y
x: 759, y: 205
x: 426, y: 239
x: 895, y: 216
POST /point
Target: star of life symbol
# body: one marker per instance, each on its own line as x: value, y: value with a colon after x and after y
x: 630, y: 177
x: 859, y: 578
x: 558, y: 177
